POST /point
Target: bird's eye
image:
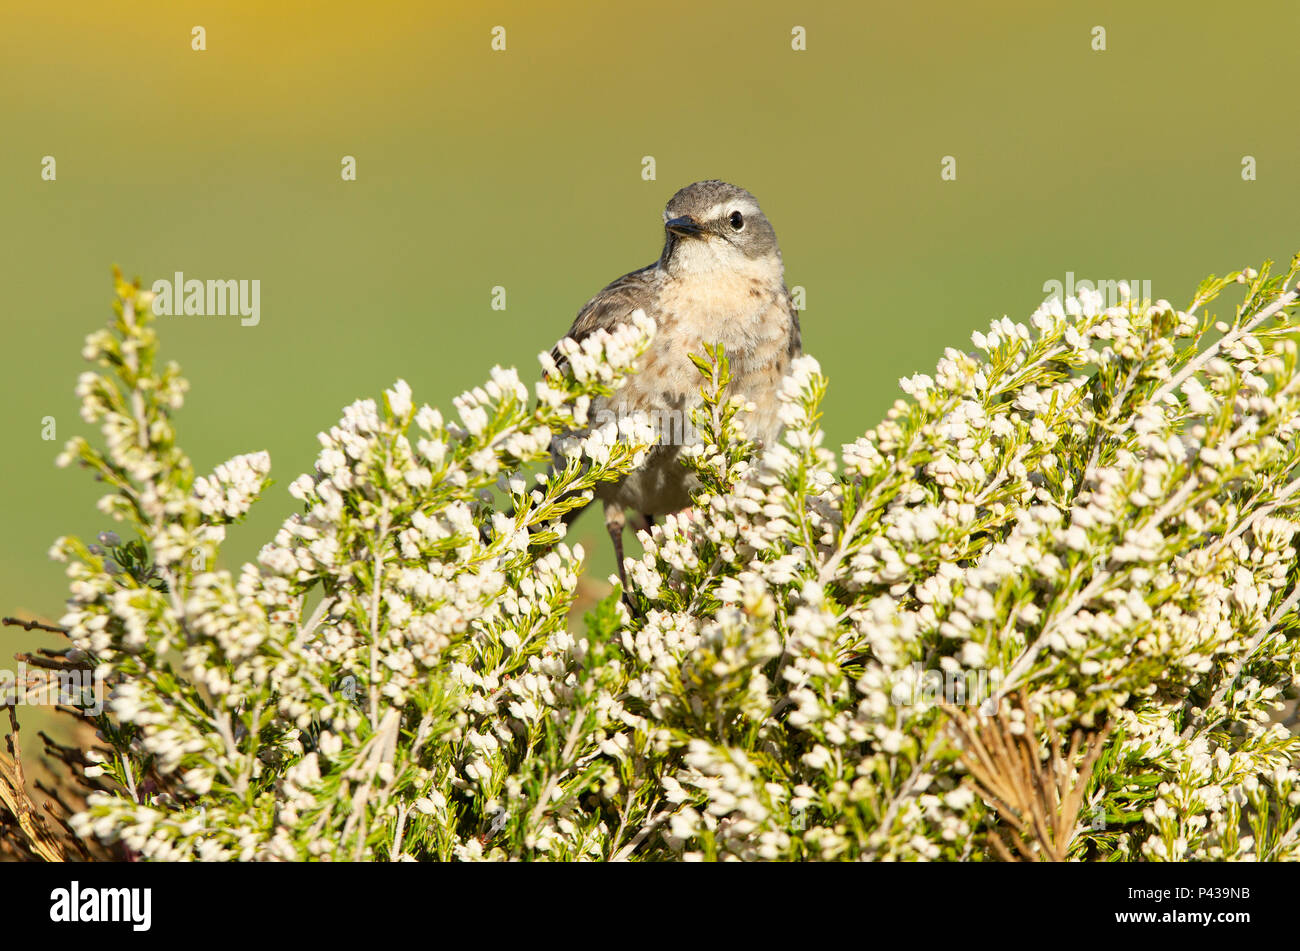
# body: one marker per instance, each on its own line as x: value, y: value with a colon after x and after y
x: 737, y: 221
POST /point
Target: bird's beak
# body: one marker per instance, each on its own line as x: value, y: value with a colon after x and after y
x: 686, y: 226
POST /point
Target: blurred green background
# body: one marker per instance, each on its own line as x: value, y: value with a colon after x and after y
x: 523, y: 169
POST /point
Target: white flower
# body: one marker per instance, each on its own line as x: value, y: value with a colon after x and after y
x: 232, y: 488
x: 399, y: 399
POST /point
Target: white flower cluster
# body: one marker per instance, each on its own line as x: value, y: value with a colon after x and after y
x: 1097, y: 514
x: 231, y: 490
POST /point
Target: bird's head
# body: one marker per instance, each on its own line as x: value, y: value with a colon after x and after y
x: 715, y: 226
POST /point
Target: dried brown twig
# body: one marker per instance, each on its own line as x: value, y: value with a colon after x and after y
x: 36, y: 836
x: 1039, y: 799
x: 32, y: 625
x: 38, y: 829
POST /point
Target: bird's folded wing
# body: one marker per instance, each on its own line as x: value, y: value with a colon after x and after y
x: 796, y: 335
x: 613, y: 305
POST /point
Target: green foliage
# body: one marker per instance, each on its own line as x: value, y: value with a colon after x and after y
x: 1099, y: 512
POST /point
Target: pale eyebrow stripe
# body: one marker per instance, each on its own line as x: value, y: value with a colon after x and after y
x: 745, y: 207
x: 715, y: 211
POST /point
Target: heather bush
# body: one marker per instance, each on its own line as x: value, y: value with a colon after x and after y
x: 1084, y: 527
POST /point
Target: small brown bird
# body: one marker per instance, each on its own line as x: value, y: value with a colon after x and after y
x: 719, y: 280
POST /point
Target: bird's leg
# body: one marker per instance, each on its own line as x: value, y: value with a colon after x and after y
x: 615, y: 519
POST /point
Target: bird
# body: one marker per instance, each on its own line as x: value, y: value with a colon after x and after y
x: 720, y: 279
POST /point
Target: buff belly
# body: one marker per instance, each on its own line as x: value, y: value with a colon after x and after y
x: 663, y: 485
x: 759, y: 339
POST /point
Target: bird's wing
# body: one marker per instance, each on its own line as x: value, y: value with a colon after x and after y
x: 796, y: 335
x: 613, y: 305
